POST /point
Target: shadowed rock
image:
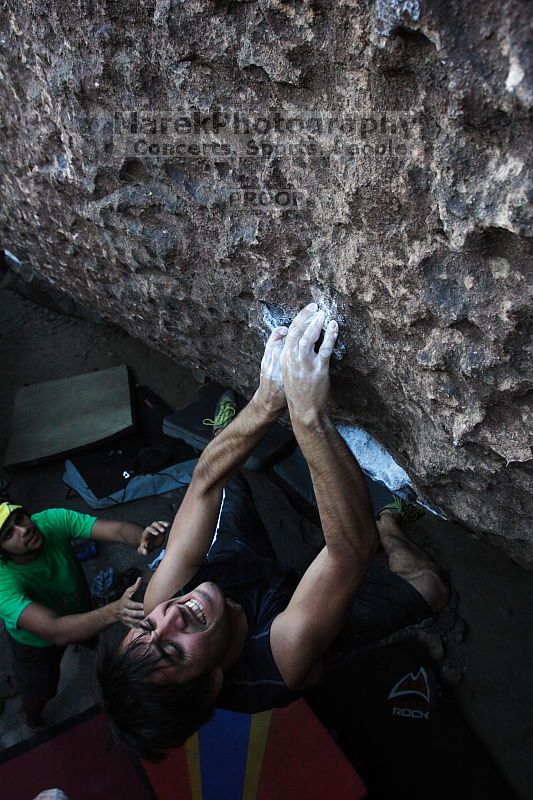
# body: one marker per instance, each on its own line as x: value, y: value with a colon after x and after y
x: 197, y: 171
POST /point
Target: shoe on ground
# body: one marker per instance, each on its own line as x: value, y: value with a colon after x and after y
x: 224, y: 412
x: 402, y: 510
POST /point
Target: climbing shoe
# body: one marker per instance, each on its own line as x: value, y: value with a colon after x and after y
x: 225, y: 411
x: 106, y: 587
x: 109, y: 584
x: 405, y: 512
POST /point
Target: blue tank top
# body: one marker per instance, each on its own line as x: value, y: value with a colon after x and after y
x: 254, y: 683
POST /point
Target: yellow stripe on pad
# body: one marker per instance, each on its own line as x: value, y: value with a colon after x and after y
x: 256, y: 749
x: 192, y: 748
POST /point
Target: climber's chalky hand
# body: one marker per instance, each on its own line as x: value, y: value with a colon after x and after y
x: 306, y: 373
x: 270, y: 392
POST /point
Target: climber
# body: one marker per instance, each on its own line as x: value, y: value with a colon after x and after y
x: 44, y: 598
x: 224, y: 625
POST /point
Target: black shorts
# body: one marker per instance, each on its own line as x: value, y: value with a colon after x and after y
x: 384, y: 602
x: 37, y: 669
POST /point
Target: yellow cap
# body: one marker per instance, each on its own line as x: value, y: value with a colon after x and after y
x: 5, y: 510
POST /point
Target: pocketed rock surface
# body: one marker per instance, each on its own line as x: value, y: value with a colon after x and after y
x: 383, y: 175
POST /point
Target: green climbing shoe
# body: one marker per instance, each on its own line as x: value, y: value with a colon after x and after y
x: 225, y: 411
x: 406, y: 512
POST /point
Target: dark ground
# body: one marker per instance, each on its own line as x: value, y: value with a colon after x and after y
x: 484, y: 645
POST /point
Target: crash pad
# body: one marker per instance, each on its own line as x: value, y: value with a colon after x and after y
x: 283, y: 753
x: 58, y: 417
x: 187, y: 425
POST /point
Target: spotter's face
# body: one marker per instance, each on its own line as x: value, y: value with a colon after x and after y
x: 190, y: 631
x: 20, y: 538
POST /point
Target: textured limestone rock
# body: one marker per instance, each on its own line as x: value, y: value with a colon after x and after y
x: 384, y: 175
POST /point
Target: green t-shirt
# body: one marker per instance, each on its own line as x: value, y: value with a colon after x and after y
x: 54, y: 579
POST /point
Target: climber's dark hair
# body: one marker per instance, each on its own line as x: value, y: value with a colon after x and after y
x: 150, y: 718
